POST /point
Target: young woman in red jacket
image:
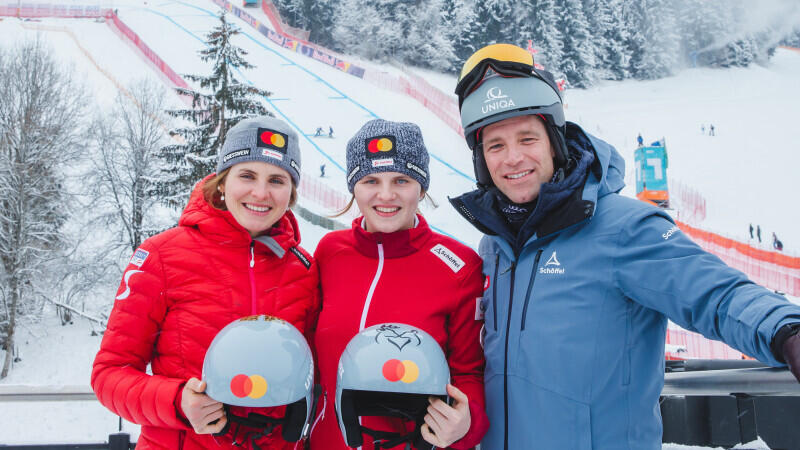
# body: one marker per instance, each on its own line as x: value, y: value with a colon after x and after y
x: 390, y: 267
x: 234, y: 253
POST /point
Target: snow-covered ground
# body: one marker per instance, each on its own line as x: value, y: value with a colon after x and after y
x: 745, y: 172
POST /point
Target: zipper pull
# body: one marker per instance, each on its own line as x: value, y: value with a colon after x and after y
x: 252, y: 256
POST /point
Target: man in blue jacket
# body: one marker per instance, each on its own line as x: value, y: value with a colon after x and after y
x: 581, y: 279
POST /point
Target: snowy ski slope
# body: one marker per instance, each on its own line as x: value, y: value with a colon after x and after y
x: 746, y: 172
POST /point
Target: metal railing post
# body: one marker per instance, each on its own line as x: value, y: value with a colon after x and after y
x: 119, y: 441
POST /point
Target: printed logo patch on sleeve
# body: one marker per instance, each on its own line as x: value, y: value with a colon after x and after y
x: 448, y: 257
x: 139, y: 256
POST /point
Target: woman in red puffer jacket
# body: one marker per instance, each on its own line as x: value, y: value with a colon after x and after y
x: 234, y: 253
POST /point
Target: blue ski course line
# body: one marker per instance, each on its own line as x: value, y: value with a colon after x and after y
x: 291, y: 122
x: 342, y: 94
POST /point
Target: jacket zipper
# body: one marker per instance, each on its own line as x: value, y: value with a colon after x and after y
x: 505, y: 362
x: 530, y: 287
x: 494, y: 288
x: 372, y: 287
x: 252, y: 279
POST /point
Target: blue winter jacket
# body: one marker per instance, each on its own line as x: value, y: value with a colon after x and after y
x: 576, y: 316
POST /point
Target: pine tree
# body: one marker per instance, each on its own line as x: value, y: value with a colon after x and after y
x: 618, y: 54
x: 497, y: 22
x: 578, y: 62
x: 427, y: 42
x: 365, y: 29
x: 460, y: 25
x: 316, y: 16
x: 540, y: 25
x: 659, y: 53
x: 222, y: 102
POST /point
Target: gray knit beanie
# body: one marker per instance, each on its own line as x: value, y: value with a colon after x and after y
x: 384, y: 146
x: 264, y: 139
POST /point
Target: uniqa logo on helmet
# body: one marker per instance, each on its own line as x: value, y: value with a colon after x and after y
x: 255, y: 362
x: 496, y: 100
x: 386, y: 370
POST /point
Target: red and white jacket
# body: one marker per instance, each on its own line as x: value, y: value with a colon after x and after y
x: 416, y: 277
x: 181, y: 287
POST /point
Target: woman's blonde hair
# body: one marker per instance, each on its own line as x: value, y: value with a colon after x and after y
x: 213, y: 195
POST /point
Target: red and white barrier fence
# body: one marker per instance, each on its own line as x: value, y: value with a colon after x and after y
x: 688, y: 202
x: 777, y: 271
x: 440, y: 104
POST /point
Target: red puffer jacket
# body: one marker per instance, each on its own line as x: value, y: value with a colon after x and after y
x: 416, y: 277
x: 180, y: 288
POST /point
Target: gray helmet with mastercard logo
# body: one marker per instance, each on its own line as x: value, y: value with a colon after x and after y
x: 263, y: 361
x: 389, y: 370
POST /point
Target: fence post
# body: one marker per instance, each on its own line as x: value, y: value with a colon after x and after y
x: 119, y: 441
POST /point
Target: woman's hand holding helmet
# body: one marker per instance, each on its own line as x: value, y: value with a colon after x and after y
x: 205, y: 414
x: 445, y: 424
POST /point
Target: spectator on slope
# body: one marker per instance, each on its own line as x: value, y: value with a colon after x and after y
x: 391, y: 267
x: 581, y: 279
x: 234, y: 253
x: 776, y: 243
x: 751, y: 231
x: 640, y: 140
x: 758, y: 233
x: 330, y: 131
x: 711, y: 130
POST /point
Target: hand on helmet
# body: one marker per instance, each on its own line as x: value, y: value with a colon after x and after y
x: 200, y: 409
x: 445, y: 424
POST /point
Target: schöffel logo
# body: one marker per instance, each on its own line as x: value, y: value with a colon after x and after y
x: 380, y: 147
x: 670, y: 232
x: 552, y: 266
x: 273, y: 142
x: 448, y: 257
x: 496, y: 100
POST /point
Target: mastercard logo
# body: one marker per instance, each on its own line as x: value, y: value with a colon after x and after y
x: 395, y: 370
x: 380, y: 146
x: 267, y: 138
x: 272, y: 138
x: 253, y: 386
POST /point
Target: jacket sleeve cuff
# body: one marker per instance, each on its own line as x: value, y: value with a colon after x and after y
x: 784, y: 333
x: 178, y: 409
x: 479, y: 425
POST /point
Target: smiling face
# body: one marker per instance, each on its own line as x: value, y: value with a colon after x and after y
x: 519, y: 156
x: 257, y: 194
x: 388, y: 201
